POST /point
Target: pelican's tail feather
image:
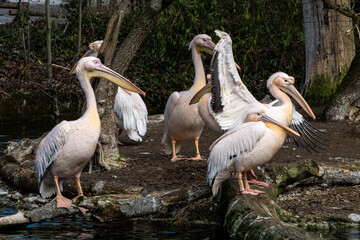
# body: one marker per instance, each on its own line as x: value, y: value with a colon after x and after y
x: 219, y: 179
x: 48, y: 188
x: 134, y: 135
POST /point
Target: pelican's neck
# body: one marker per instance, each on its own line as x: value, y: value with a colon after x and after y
x: 91, y: 113
x: 199, y: 80
x: 286, y: 104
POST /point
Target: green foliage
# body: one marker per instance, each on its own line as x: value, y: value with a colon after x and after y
x: 267, y: 37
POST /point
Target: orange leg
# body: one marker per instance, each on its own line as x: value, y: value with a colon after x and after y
x: 244, y: 185
x: 79, y: 189
x: 62, y: 202
x: 174, y: 157
x: 197, y: 157
x: 255, y: 181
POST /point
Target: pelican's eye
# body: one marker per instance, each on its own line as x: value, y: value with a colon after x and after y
x: 286, y: 80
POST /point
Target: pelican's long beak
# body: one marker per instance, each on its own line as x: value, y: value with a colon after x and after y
x: 291, y: 90
x: 88, y: 53
x: 196, y: 98
x: 288, y: 130
x: 105, y: 72
x: 209, y: 48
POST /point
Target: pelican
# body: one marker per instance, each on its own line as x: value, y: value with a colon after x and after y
x: 231, y: 99
x: 70, y: 145
x: 250, y: 143
x: 182, y: 121
x: 130, y: 110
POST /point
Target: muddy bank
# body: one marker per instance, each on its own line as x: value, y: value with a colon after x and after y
x: 149, y: 171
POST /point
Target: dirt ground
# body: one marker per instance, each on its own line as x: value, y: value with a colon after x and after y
x: 150, y: 169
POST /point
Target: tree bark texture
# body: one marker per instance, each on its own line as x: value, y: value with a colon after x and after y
x: 106, y: 92
x: 48, y: 39
x: 348, y: 94
x: 79, y: 26
x: 105, y: 95
x: 330, y: 48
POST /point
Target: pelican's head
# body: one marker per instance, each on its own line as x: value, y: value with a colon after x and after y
x: 286, y: 84
x: 202, y: 43
x: 94, y: 49
x: 258, y: 114
x: 92, y: 67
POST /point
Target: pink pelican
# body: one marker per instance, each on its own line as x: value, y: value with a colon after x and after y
x: 251, y: 143
x: 70, y: 145
x: 231, y: 99
x: 130, y: 110
x: 182, y: 121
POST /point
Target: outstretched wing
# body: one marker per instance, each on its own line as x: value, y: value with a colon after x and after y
x: 50, y: 148
x: 229, y: 147
x: 230, y: 97
x: 311, y: 138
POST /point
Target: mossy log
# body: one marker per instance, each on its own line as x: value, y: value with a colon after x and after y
x: 256, y: 217
x: 108, y: 207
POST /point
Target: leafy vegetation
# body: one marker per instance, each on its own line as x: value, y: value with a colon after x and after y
x: 267, y: 37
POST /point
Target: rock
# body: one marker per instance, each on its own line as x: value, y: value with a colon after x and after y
x: 16, y: 196
x: 354, y: 217
x: 3, y: 192
x: 98, y: 187
x: 15, y: 219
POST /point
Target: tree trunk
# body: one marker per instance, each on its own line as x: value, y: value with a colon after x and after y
x: 79, y: 26
x: 347, y: 94
x: 105, y: 92
x: 330, y: 48
x: 48, y: 39
x: 105, y: 95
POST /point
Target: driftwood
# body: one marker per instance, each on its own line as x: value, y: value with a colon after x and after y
x: 256, y: 217
x: 107, y: 207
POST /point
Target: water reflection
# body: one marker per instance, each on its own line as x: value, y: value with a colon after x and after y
x: 67, y: 228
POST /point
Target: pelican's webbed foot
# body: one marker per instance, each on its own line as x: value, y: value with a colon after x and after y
x: 63, y: 202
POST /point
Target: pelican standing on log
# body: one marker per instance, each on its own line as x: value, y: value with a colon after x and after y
x: 70, y: 145
x: 182, y: 121
x: 130, y: 110
x: 231, y: 100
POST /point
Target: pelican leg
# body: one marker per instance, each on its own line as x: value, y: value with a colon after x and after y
x: 197, y: 157
x: 244, y: 190
x: 254, y: 180
x: 79, y: 189
x: 247, y: 186
x: 62, y: 202
x: 174, y: 157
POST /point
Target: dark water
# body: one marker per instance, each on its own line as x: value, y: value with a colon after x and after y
x: 69, y: 228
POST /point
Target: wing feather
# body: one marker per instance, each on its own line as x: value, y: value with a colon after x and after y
x: 227, y: 148
x: 131, y: 110
x: 169, y: 109
x: 311, y: 138
x: 227, y: 84
x: 50, y: 148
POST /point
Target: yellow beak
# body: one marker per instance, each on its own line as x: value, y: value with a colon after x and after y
x: 105, y: 72
x: 196, y: 98
x: 291, y: 90
x: 288, y: 130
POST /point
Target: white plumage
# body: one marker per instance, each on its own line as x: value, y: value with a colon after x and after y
x: 130, y: 110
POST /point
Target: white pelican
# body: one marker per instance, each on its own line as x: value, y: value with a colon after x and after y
x: 250, y: 143
x: 130, y: 110
x: 231, y: 99
x: 70, y: 145
x: 182, y: 121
